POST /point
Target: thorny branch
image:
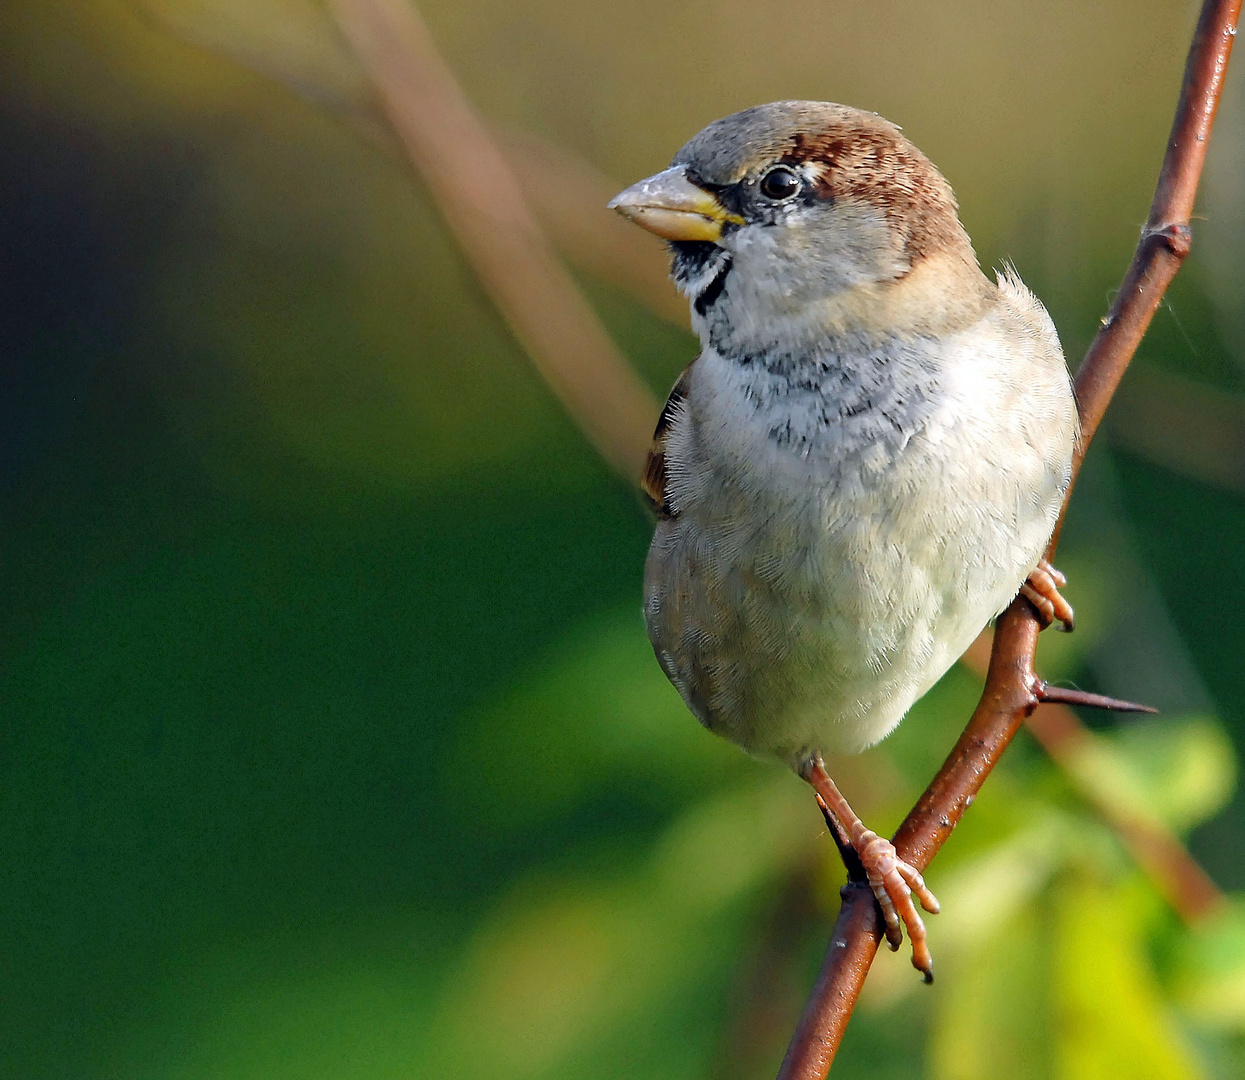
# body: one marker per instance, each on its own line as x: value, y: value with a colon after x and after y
x: 1176, y: 874
x: 1010, y: 693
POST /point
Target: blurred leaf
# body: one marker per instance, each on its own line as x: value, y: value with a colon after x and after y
x: 566, y: 965
x: 986, y: 893
x: 1210, y: 979
x: 1110, y: 1018
x: 1187, y: 765
x: 1060, y: 984
x: 992, y: 1014
x: 1175, y: 772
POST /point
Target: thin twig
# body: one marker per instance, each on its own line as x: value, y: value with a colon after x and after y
x: 1008, y: 697
x: 484, y: 206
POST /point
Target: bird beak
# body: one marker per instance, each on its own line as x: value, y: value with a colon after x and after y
x: 672, y: 206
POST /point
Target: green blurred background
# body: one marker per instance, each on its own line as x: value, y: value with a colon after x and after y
x: 332, y: 745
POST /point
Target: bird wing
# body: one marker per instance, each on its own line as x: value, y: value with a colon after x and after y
x: 654, y: 479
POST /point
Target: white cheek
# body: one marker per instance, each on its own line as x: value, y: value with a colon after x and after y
x: 763, y: 266
x: 782, y: 271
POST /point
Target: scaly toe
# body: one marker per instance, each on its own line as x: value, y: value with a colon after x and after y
x: 916, y: 883
x: 1045, y: 609
x: 1042, y: 590
x: 893, y: 882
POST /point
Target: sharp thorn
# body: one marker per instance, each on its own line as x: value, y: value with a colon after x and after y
x: 1064, y: 696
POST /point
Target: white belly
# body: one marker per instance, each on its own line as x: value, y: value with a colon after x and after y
x: 821, y: 573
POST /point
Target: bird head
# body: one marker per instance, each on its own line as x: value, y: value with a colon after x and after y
x: 798, y: 219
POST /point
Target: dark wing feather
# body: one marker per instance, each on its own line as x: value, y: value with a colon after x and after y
x: 654, y: 480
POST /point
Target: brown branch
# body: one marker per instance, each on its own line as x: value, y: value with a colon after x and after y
x: 1008, y: 697
x: 482, y: 201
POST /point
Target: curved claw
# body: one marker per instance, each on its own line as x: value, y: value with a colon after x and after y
x: 894, y: 932
x: 892, y: 880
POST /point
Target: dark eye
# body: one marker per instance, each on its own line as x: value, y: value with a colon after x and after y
x: 779, y: 183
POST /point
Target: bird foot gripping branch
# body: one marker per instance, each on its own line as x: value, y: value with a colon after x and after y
x: 871, y: 858
x: 1041, y: 589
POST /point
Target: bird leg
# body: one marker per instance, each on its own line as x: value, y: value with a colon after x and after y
x: 892, y: 880
x: 1042, y: 591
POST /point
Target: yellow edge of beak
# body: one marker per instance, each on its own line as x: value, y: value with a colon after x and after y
x: 674, y: 208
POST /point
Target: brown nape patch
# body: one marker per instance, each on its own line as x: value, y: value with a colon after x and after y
x: 868, y: 159
x: 654, y: 479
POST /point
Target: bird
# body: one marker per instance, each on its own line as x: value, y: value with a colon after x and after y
x: 866, y: 460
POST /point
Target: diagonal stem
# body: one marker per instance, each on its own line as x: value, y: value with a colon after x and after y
x: 484, y: 206
x: 1008, y: 697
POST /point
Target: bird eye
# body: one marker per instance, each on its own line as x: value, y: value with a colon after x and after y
x: 779, y: 183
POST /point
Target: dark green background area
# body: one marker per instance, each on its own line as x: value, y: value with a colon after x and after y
x: 238, y: 670
x: 226, y: 712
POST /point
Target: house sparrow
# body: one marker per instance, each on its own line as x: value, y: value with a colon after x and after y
x: 864, y: 464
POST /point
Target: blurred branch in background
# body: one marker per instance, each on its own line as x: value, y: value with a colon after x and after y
x: 569, y: 195
x: 297, y: 46
x: 767, y: 991
x: 485, y: 208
